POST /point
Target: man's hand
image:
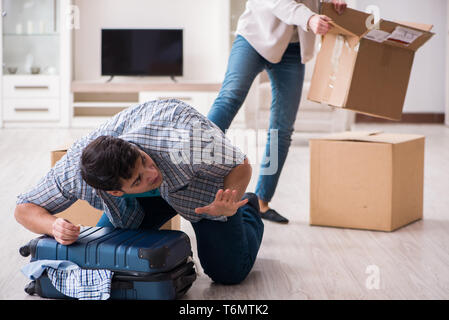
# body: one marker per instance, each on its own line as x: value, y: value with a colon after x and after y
x: 339, y: 6
x: 225, y: 204
x: 319, y: 24
x: 65, y: 232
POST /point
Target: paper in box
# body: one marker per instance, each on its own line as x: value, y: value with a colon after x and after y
x: 366, y: 180
x: 81, y: 212
x: 365, y: 67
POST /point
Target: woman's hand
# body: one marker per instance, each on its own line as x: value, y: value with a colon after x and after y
x: 225, y: 204
x: 65, y: 232
x: 339, y: 5
x: 319, y: 24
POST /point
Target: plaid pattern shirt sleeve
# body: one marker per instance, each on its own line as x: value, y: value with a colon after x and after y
x: 212, y: 158
x: 83, y: 284
x: 48, y: 194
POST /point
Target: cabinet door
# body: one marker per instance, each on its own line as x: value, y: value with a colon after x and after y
x: 30, y: 109
x: 31, y: 87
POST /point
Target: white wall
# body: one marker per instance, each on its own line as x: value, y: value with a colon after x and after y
x: 205, y: 24
x: 426, y: 91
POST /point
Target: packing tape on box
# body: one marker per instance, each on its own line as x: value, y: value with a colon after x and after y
x: 340, y: 42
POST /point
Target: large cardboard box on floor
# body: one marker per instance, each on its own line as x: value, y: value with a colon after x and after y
x: 81, y: 212
x: 366, y: 180
x: 365, y: 67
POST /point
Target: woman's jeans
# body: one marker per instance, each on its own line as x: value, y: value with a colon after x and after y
x: 227, y: 250
x: 287, y: 79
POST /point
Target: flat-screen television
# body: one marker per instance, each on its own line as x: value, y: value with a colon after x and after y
x: 141, y: 52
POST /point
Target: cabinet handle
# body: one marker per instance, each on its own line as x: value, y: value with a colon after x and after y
x: 31, y: 87
x: 18, y: 109
x: 179, y: 98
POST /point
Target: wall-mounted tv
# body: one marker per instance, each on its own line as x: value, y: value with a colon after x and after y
x: 141, y: 52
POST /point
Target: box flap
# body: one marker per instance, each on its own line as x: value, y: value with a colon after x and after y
x: 340, y: 30
x: 371, y: 136
x: 419, y: 26
x: 419, y: 36
x: 351, y: 38
x: 352, y: 21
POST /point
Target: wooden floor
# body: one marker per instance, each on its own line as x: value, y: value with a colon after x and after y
x: 296, y: 261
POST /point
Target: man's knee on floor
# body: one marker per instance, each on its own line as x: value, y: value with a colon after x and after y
x: 228, y: 276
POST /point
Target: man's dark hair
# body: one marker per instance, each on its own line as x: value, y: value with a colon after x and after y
x: 107, y: 159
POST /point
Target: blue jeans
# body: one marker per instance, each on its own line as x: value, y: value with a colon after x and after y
x: 226, y: 250
x: 287, y: 79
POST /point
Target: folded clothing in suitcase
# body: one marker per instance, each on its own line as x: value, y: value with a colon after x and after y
x: 146, y: 264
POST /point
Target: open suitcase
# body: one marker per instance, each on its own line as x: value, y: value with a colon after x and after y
x: 146, y: 264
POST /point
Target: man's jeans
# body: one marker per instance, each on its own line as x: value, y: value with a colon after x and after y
x: 287, y: 79
x: 227, y: 250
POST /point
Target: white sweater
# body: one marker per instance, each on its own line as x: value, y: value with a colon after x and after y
x: 268, y: 25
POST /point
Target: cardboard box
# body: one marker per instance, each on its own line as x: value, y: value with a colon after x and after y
x: 365, y: 70
x: 366, y: 180
x: 81, y: 212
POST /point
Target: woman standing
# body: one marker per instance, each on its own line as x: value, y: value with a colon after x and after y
x: 277, y: 36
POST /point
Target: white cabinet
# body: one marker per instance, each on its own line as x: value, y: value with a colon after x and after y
x: 201, y: 101
x: 31, y: 109
x: 95, y: 102
x: 31, y: 86
x: 31, y: 98
x: 35, y: 55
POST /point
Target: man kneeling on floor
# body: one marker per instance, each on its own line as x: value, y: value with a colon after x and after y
x: 144, y: 166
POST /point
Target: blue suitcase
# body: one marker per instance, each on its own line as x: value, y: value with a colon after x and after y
x: 146, y: 264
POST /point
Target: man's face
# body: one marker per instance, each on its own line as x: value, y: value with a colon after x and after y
x: 146, y: 176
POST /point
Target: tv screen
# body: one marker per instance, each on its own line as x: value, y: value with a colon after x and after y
x: 141, y: 52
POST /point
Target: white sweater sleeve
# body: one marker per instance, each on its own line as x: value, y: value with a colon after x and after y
x: 292, y: 12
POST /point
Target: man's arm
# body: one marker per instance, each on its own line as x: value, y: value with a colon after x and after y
x: 35, y: 208
x: 34, y: 218
x: 39, y: 220
x: 239, y: 178
x: 229, y: 200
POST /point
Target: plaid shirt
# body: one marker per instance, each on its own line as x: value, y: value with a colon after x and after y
x: 72, y: 281
x: 192, y: 153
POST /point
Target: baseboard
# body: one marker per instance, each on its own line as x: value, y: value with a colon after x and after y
x: 437, y: 118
